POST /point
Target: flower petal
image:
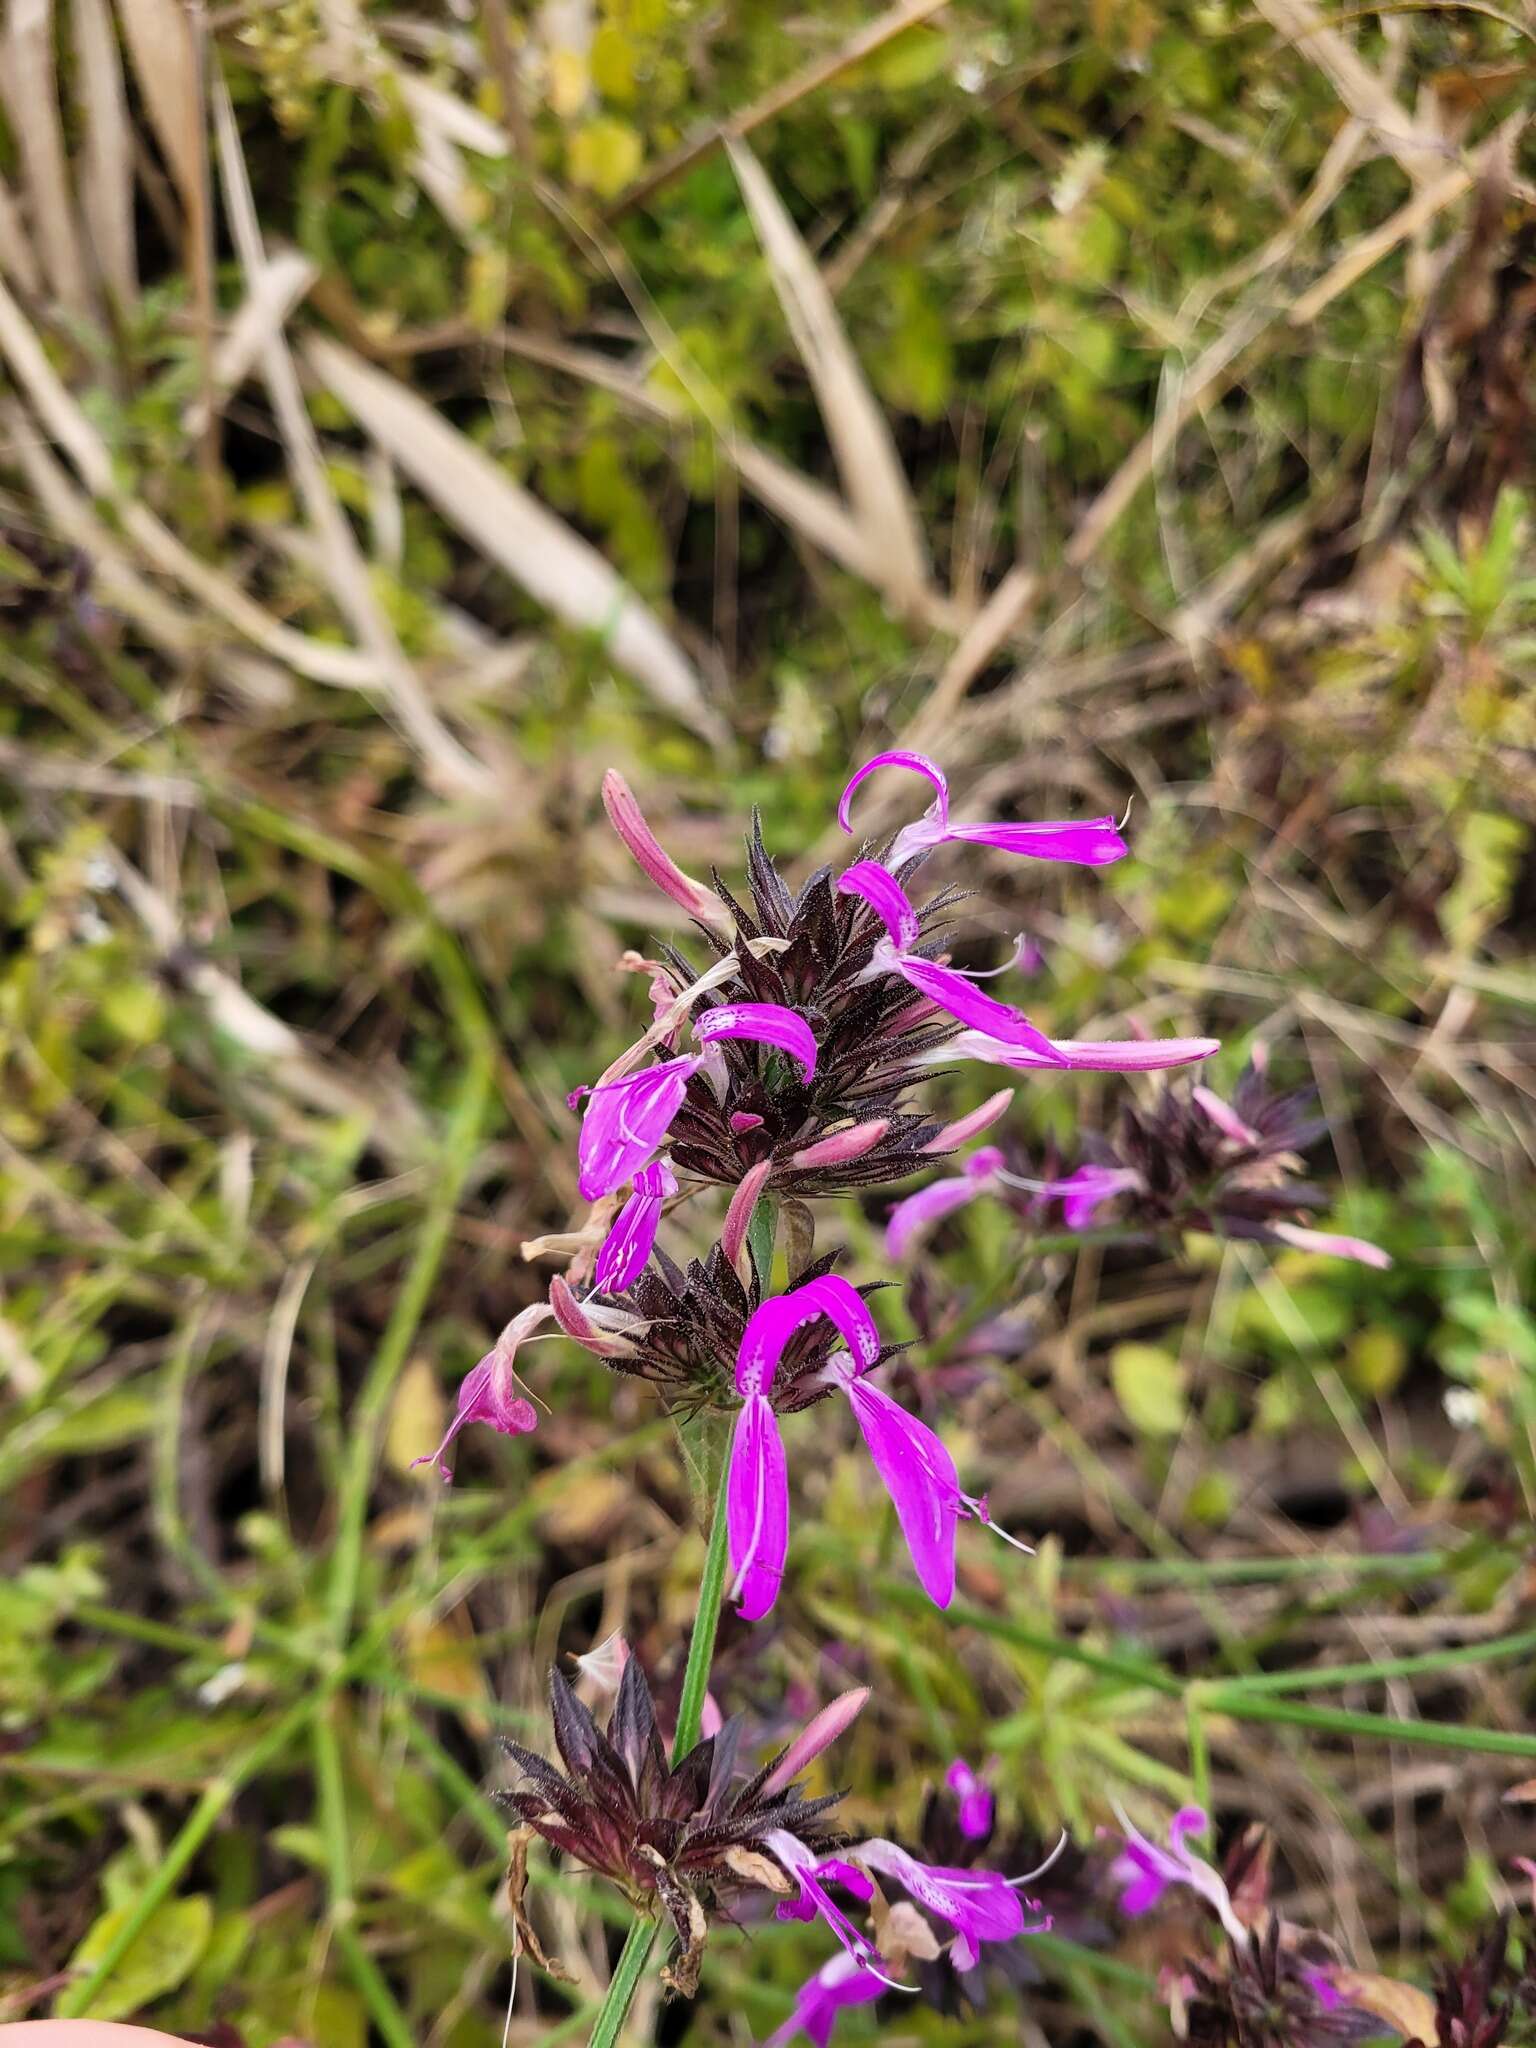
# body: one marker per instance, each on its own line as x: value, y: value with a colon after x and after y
x: 757, y: 1509
x: 952, y: 991
x: 628, y: 1244
x: 842, y: 1981
x: 767, y: 1023
x: 917, y: 1213
x: 920, y: 1477
x: 771, y: 1325
x: 1084, y: 1055
x: 972, y: 1126
x: 974, y: 1798
x: 880, y: 889
x: 819, y: 1733
x: 1360, y: 1249
x: 981, y: 1903
x: 1089, y: 842
x: 628, y: 820
x: 920, y: 764
x: 626, y: 1122
x: 1084, y: 1192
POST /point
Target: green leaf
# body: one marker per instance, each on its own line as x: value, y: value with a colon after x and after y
x: 1149, y: 1385
x: 164, y: 1955
x: 1490, y: 847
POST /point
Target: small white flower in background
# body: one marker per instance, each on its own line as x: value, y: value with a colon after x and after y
x: 223, y: 1685
x: 1080, y: 175
x: 100, y: 873
x: 1463, y: 1407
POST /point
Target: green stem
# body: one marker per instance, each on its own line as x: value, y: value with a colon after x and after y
x: 1241, y: 1706
x: 361, y: 1968
x: 628, y: 1971
x: 706, y: 1621
x: 1324, y: 1677
x: 690, y: 1712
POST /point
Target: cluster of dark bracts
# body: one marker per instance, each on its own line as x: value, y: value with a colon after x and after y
x: 699, y: 1838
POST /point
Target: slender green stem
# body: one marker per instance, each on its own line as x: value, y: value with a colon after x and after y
x: 706, y: 1622
x: 690, y: 1713
x: 628, y: 1971
x: 1241, y: 1706
x: 1323, y: 1677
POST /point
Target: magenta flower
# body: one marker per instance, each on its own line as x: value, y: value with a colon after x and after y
x: 1145, y: 1872
x: 918, y: 1472
x: 981, y: 1905
x: 488, y: 1392
x: 627, y: 1120
x: 948, y: 987
x: 628, y: 820
x: 1084, y: 1192
x: 975, y: 1800
x: 628, y: 1244
x: 840, y: 1983
x: 1093, y: 842
x: 1332, y: 1244
x: 919, y: 1212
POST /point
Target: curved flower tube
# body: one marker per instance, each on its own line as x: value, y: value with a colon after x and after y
x: 919, y: 1212
x: 768, y: 1023
x: 628, y: 1244
x: 1090, y: 842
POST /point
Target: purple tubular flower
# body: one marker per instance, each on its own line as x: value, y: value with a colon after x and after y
x: 975, y: 1800
x: 940, y: 1198
x: 1360, y: 1249
x: 839, y: 1147
x: 980, y: 1905
x: 1093, y: 842
x: 768, y: 1024
x: 628, y: 1245
x: 1084, y: 1192
x: 880, y: 889
x: 840, y: 1983
x: 488, y: 1392
x: 627, y: 1122
x: 1144, y: 1871
x: 757, y: 1482
x: 1085, y: 1055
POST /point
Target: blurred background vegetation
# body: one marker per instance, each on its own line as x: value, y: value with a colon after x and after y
x: 407, y: 413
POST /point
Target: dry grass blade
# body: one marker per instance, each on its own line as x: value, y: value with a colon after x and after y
x: 1417, y: 148
x: 164, y: 54
x: 17, y: 257
x: 29, y: 87
x: 512, y: 529
x: 451, y: 764
x: 871, y: 473
x: 272, y: 293
x: 106, y: 167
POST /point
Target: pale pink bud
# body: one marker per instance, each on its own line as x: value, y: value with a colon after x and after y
x: 819, y: 1733
x: 738, y: 1216
x: 842, y: 1146
x: 605, y: 1339
x: 964, y: 1128
x: 628, y: 820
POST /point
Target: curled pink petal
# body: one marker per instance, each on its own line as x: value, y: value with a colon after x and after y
x: 880, y: 889
x: 819, y: 1733
x: 627, y: 1122
x: 600, y: 1330
x: 628, y: 820
x: 628, y: 1244
x: 738, y: 1217
x: 1360, y: 1249
x: 844, y: 1145
x: 982, y: 1013
x: 488, y: 1392
x: 742, y: 1121
x: 757, y: 1508
x: 964, y: 1128
x: 773, y: 1322
x: 767, y: 1024
x: 919, y: 764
